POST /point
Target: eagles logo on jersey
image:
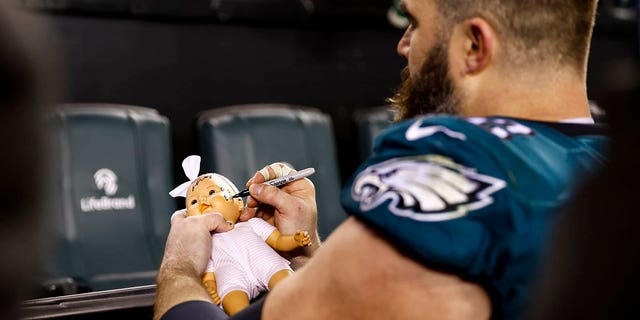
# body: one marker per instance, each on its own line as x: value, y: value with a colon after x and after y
x: 424, y: 188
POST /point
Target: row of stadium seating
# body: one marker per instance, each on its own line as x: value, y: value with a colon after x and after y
x: 111, y: 170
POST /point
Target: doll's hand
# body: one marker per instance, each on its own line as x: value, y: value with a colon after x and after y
x: 302, y: 238
x: 213, y: 293
x: 210, y: 285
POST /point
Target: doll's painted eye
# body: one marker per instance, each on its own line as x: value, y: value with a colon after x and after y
x: 194, y: 201
x: 212, y: 192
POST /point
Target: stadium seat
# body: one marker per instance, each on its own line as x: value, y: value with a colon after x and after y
x: 109, y: 215
x: 369, y: 123
x: 237, y: 141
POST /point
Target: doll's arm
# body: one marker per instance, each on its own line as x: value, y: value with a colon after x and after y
x: 209, y: 282
x: 288, y: 242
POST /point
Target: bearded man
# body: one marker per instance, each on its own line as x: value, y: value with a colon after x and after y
x: 450, y: 214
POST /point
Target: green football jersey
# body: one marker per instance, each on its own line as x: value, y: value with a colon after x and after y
x: 475, y: 196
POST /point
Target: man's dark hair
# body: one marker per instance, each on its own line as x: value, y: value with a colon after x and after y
x: 535, y: 31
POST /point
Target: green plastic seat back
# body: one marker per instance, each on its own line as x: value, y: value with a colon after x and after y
x: 369, y: 123
x: 110, y: 208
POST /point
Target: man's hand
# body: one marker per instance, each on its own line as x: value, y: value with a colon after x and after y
x: 185, y: 258
x: 189, y: 241
x: 292, y: 207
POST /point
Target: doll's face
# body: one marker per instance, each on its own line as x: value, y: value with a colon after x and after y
x: 204, y: 196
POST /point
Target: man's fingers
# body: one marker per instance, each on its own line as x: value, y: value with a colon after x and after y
x: 271, y: 195
x: 178, y: 215
x: 269, y: 172
x: 247, y: 213
x: 272, y: 171
x: 213, y: 221
x: 251, y: 202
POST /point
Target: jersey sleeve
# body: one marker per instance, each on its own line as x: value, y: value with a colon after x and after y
x: 429, y: 190
x: 473, y: 196
x: 261, y: 227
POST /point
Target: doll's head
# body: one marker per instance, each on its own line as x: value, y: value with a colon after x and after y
x: 209, y: 192
x: 213, y: 193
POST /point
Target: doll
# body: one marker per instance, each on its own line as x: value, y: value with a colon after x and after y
x: 243, y: 263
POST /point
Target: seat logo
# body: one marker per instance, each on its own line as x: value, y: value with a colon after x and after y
x: 107, y: 181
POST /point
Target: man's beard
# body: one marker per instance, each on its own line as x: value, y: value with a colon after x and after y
x: 432, y: 91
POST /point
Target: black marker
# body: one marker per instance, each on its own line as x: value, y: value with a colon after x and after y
x: 281, y: 181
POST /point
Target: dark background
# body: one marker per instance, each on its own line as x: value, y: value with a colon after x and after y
x: 183, y: 57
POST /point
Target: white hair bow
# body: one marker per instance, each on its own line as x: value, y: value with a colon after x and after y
x: 191, y: 166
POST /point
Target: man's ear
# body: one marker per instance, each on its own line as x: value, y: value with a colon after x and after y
x: 479, y: 44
